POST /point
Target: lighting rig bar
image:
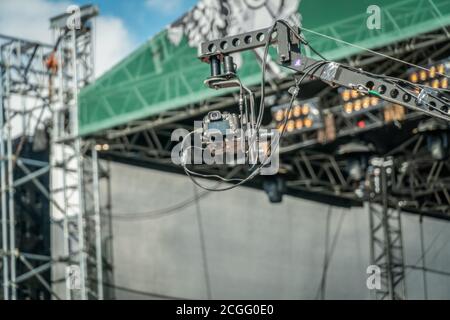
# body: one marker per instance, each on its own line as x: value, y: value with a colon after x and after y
x: 288, y: 44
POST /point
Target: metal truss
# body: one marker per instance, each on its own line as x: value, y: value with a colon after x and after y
x: 39, y: 88
x: 422, y: 184
x: 24, y: 101
x: 308, y: 160
x: 386, y: 242
x: 309, y: 163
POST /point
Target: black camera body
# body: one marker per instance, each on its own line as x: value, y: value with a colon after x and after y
x: 217, y: 122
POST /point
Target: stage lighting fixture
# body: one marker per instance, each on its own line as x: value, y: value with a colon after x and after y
x: 438, y: 146
x: 304, y: 116
x: 437, y: 135
x: 433, y: 77
x: 355, y: 103
x: 394, y: 112
x: 357, y: 156
x: 274, y: 187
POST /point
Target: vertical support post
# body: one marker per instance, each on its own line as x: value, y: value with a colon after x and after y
x: 97, y: 219
x: 78, y: 155
x: 10, y: 184
x: 386, y: 233
x: 56, y: 148
x: 4, y: 220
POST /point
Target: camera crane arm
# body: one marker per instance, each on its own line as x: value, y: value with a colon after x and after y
x: 288, y: 44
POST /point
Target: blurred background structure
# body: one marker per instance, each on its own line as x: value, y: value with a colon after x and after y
x: 92, y: 207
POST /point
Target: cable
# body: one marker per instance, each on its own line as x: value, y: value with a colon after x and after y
x: 203, y: 246
x: 154, y: 214
x: 371, y: 51
x: 422, y: 248
x: 440, y: 272
x: 328, y: 257
x: 430, y: 246
x: 306, y: 71
x: 189, y: 172
x: 140, y: 292
x: 325, y: 264
x: 302, y: 39
x: 395, y: 82
x: 159, y: 212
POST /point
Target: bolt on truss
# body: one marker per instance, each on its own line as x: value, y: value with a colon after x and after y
x: 39, y: 89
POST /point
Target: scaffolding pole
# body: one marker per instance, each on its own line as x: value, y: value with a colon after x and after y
x: 25, y: 73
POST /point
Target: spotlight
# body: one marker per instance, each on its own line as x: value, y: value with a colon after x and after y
x: 432, y: 72
x: 423, y: 75
x: 355, y: 103
x: 433, y: 77
x: 290, y: 126
x: 357, y: 156
x: 435, y: 84
x: 348, y: 107
x: 436, y: 133
x: 438, y: 146
x: 345, y: 95
x: 279, y: 115
x: 366, y: 102
x: 297, y: 111
x: 274, y: 187
x: 305, y: 115
x: 394, y: 112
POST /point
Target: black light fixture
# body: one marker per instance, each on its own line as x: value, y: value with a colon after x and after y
x: 275, y: 187
x: 436, y: 134
x: 357, y: 155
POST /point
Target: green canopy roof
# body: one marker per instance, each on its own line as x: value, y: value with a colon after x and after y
x: 164, y: 74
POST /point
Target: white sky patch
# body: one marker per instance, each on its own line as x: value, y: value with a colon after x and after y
x: 29, y: 19
x: 113, y: 43
x: 164, y: 6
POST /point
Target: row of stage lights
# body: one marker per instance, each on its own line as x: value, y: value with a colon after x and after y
x: 432, y: 78
x: 356, y: 103
x: 304, y: 116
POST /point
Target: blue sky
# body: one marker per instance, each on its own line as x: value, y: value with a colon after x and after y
x: 143, y: 18
x: 123, y: 25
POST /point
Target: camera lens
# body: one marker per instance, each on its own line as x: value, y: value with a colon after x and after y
x: 215, y: 115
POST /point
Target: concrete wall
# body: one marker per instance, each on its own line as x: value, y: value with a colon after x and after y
x: 253, y: 249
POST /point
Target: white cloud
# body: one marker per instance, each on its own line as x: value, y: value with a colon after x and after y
x: 113, y: 42
x: 164, y: 6
x: 29, y: 19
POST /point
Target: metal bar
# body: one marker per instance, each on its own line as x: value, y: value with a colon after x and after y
x: 3, y: 193
x: 337, y: 74
x: 31, y: 176
x: 77, y: 144
x: 38, y: 276
x: 98, y: 234
x: 33, y: 272
x: 10, y: 162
